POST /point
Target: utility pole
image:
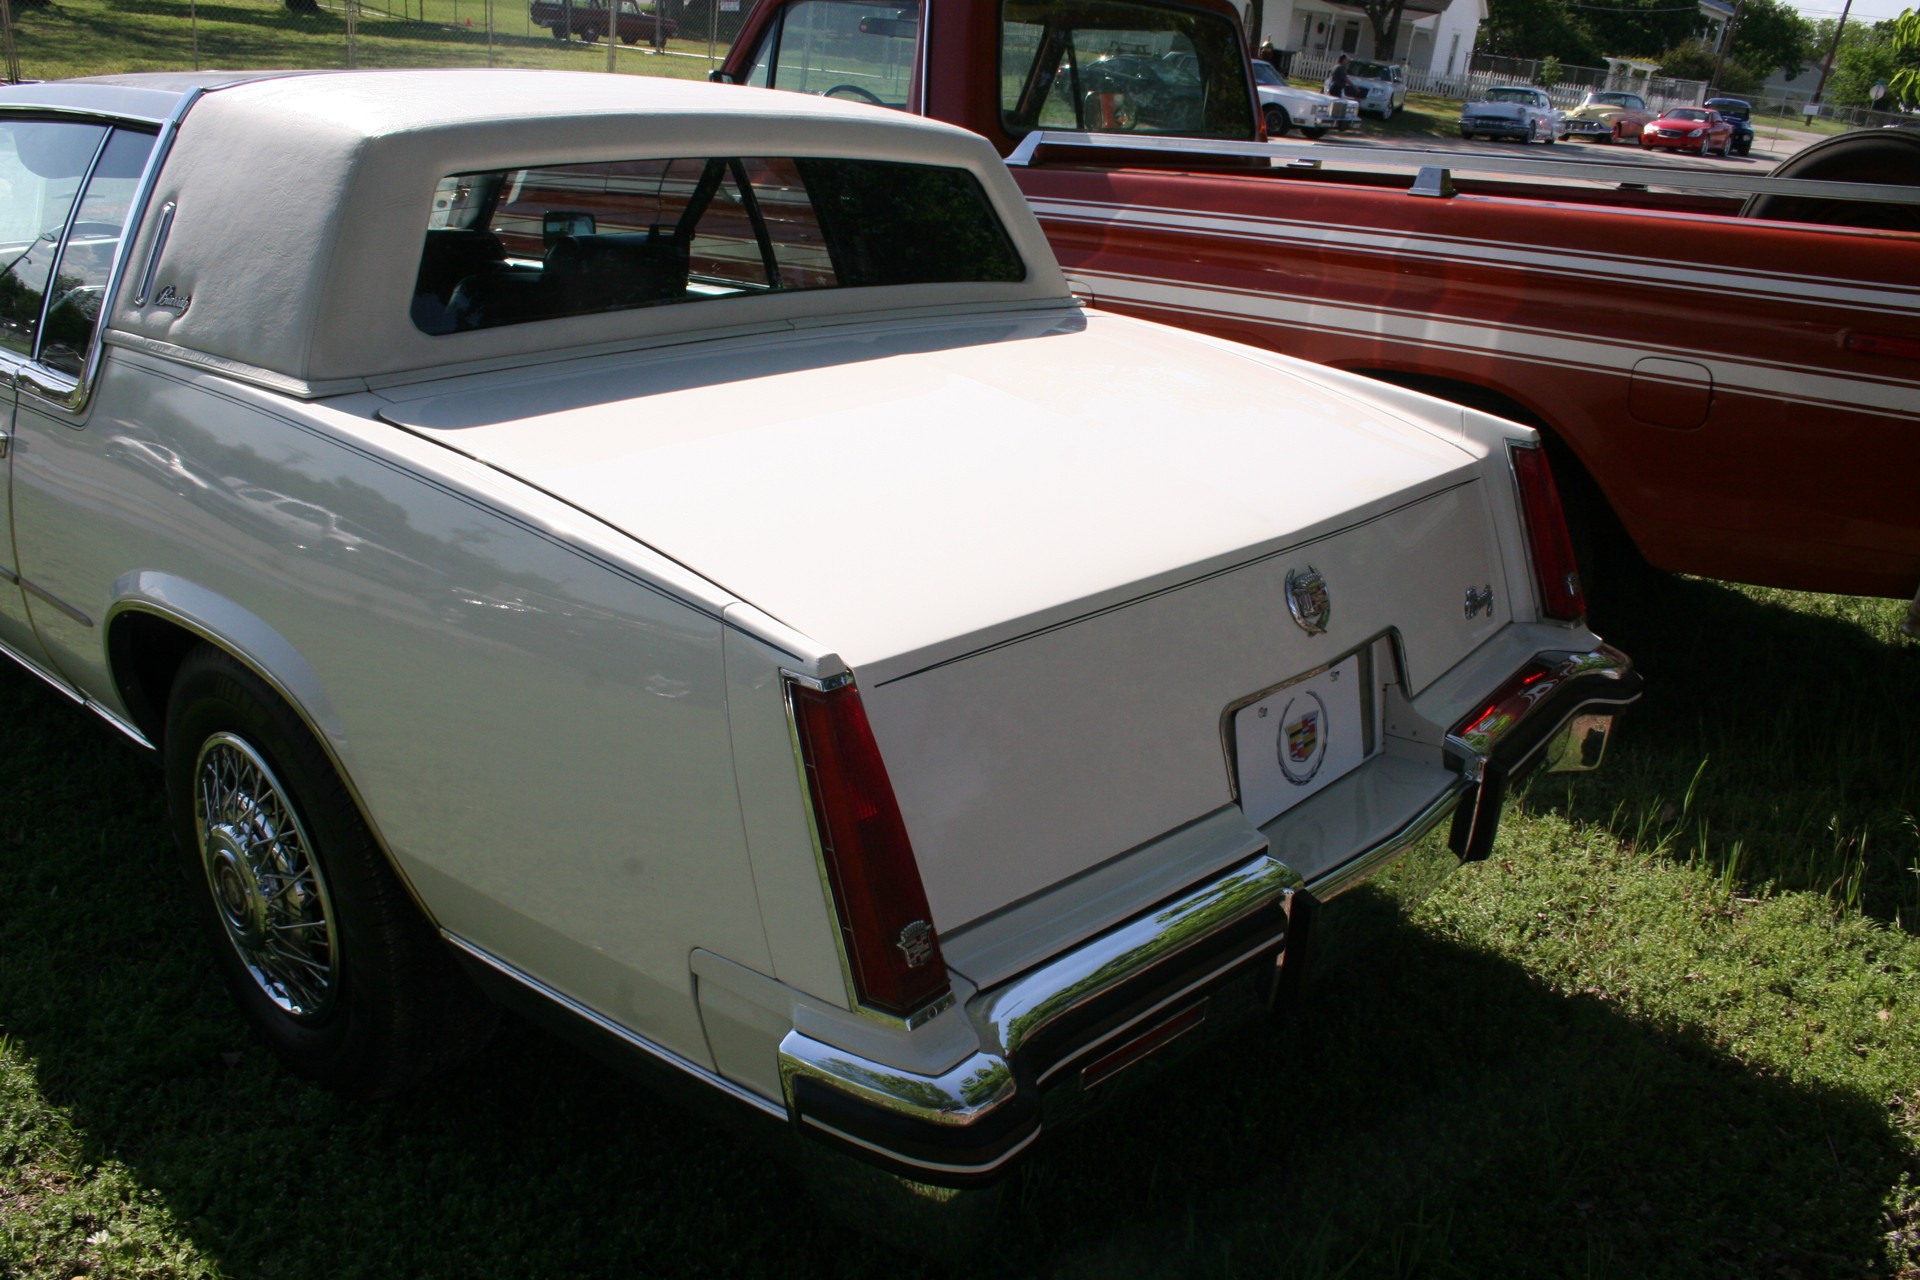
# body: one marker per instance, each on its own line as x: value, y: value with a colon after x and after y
x: 1826, y: 68
x: 1726, y: 45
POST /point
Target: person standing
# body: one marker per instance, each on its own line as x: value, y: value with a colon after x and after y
x: 1337, y: 82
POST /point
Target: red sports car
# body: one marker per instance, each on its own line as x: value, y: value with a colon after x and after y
x: 1690, y: 129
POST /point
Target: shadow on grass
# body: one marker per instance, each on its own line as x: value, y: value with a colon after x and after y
x: 1434, y: 1111
x: 1804, y: 725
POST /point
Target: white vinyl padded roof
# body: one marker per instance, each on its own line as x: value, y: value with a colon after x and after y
x: 302, y: 202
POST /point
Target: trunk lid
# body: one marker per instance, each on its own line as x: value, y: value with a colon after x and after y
x: 1053, y: 553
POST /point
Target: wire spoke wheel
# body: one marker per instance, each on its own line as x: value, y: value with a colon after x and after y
x: 269, y: 892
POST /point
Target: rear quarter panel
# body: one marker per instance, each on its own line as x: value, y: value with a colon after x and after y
x: 537, y: 731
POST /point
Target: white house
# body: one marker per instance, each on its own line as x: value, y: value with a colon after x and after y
x: 1435, y: 35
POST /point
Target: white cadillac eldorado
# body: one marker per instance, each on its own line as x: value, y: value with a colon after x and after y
x: 680, y: 559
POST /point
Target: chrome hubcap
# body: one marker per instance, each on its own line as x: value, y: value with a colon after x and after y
x: 268, y: 891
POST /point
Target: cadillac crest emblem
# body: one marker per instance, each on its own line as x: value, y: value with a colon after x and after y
x: 1307, y: 600
x: 916, y: 943
x: 1303, y: 738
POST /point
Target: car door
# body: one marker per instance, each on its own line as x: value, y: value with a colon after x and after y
x: 43, y: 164
x: 66, y: 192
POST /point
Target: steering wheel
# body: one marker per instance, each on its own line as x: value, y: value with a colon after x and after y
x: 853, y: 91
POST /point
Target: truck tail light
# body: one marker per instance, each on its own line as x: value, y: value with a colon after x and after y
x: 1554, y: 567
x: 892, y: 952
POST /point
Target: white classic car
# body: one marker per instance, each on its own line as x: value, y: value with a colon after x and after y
x: 679, y: 559
x: 1512, y: 111
x: 1379, y: 87
x: 1287, y: 107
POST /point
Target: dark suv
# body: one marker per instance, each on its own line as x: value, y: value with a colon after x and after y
x: 1737, y: 110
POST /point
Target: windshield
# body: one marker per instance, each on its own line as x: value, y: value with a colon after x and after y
x: 1731, y: 107
x: 1111, y: 67
x: 1615, y: 100
x: 1264, y: 73
x: 1687, y: 113
x: 1526, y: 97
x: 1370, y: 70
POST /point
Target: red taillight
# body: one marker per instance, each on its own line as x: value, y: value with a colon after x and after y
x: 1553, y: 564
x: 888, y: 930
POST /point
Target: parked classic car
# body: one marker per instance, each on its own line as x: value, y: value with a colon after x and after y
x: 1606, y: 115
x: 679, y: 559
x: 629, y: 23
x: 1511, y: 111
x: 1286, y: 107
x: 1689, y: 129
x: 1737, y: 112
x: 1379, y: 87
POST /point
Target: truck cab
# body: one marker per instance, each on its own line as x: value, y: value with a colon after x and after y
x: 1111, y: 66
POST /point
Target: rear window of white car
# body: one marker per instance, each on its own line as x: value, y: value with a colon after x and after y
x: 517, y: 245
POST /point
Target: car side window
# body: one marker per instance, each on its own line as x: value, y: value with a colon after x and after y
x: 42, y: 164
x: 859, y: 52
x: 86, y: 263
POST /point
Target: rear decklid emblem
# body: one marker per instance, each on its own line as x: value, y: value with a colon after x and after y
x: 1307, y: 600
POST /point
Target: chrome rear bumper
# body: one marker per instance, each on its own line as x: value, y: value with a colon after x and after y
x: 1094, y: 1009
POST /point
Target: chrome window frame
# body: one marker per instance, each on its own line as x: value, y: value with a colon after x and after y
x: 66, y: 393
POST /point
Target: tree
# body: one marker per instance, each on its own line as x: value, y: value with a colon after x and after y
x: 1689, y: 60
x: 1384, y: 17
x: 1638, y: 28
x: 1771, y: 36
x: 1904, y: 35
x: 1532, y: 29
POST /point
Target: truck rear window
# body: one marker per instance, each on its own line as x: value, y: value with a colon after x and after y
x: 516, y: 245
x: 1104, y: 66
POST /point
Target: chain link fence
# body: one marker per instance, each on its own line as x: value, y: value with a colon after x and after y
x: 56, y: 39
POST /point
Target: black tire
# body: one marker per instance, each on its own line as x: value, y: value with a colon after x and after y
x: 590, y: 33
x: 1890, y: 156
x: 1313, y: 135
x: 1706, y: 145
x: 1465, y: 134
x: 1278, y: 121
x: 317, y: 939
x: 559, y: 32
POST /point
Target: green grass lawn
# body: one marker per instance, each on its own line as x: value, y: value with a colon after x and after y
x: 1670, y: 1028
x: 99, y: 37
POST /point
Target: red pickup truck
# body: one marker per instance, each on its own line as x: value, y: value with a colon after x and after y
x: 589, y: 20
x: 1737, y: 386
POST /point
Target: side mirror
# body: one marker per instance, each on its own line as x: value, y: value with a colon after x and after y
x: 717, y: 76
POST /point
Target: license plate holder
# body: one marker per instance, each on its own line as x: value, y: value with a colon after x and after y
x: 1300, y: 738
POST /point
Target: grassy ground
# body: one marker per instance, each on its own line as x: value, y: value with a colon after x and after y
x: 98, y: 37
x: 1670, y: 1028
